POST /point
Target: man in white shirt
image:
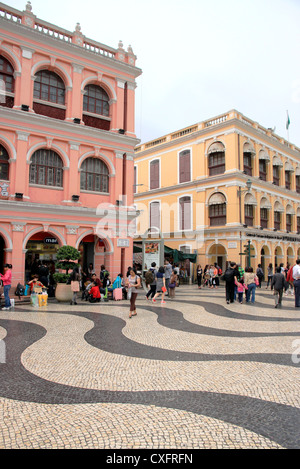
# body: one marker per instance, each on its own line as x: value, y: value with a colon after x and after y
x: 296, y: 277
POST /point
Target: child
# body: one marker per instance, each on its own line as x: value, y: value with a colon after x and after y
x: 35, y: 283
x: 240, y: 289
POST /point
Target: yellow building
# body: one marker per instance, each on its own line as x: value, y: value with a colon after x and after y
x: 213, y: 187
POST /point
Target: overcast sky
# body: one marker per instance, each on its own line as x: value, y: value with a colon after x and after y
x: 200, y: 58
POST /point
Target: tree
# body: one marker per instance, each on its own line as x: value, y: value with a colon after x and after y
x: 67, y: 258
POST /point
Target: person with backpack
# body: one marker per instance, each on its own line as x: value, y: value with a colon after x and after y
x: 229, y: 276
x: 151, y: 281
x: 259, y: 274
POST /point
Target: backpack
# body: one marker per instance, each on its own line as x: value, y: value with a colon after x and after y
x: 229, y: 275
x: 103, y: 274
x: 20, y: 290
x: 149, y: 277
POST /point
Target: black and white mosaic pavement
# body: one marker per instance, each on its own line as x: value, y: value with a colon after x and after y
x: 193, y: 373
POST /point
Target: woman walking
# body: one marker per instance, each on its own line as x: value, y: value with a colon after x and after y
x: 270, y: 276
x: 6, y: 279
x: 133, y: 283
x: 199, y: 275
x: 160, y: 285
x: 250, y: 281
x: 75, y: 285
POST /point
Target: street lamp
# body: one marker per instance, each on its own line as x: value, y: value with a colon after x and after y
x: 241, y: 191
x: 239, y: 194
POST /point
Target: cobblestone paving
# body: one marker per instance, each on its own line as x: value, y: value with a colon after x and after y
x: 193, y: 373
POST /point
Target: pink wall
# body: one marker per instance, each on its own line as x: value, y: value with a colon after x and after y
x: 52, y: 210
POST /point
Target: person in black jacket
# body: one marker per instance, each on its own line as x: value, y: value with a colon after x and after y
x: 229, y: 276
x: 278, y: 285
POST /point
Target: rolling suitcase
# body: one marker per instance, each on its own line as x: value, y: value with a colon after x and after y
x: 118, y: 294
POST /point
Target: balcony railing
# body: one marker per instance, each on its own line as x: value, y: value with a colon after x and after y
x: 29, y: 20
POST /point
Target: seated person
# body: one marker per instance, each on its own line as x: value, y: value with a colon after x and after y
x: 35, y: 283
x: 107, y: 285
x: 96, y: 280
x: 85, y: 291
x: 94, y: 293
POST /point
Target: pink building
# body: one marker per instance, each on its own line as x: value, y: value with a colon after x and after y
x: 67, y: 141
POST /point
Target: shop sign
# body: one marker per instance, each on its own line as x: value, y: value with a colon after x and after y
x: 232, y: 245
x: 50, y: 241
x: 123, y: 243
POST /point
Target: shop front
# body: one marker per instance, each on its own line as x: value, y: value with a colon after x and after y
x: 41, y: 248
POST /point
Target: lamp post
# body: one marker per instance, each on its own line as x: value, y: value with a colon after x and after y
x: 239, y: 194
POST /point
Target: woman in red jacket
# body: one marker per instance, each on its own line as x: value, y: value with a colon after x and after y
x: 6, y: 279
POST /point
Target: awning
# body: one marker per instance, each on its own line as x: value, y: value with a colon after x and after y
x: 263, y: 155
x: 290, y: 210
x: 289, y: 167
x: 216, y: 147
x: 264, y: 203
x: 278, y: 207
x: 179, y: 256
x: 250, y: 199
x: 217, y: 199
x: 277, y: 161
x: 248, y: 148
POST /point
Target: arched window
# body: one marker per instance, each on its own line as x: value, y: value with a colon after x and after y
x: 217, y: 209
x: 96, y: 100
x: 48, y: 86
x: 265, y: 207
x: 7, y: 83
x: 94, y: 176
x: 46, y: 168
x: 216, y: 159
x: 96, y: 103
x: 49, y: 95
x: 4, y: 164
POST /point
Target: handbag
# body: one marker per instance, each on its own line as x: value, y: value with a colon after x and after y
x: 256, y: 280
x: 172, y: 285
x: 163, y: 289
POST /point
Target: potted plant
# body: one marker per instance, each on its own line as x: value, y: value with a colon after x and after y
x: 67, y: 258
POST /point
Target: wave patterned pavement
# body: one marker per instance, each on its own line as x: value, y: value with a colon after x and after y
x: 193, y: 373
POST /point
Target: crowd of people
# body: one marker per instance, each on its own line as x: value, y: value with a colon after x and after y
x: 240, y: 284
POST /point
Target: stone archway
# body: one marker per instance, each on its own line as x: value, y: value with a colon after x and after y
x: 217, y: 253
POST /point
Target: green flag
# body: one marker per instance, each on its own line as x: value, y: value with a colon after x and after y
x: 288, y: 121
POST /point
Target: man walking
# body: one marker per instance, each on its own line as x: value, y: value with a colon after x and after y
x: 296, y: 277
x: 278, y: 285
x: 168, y: 273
